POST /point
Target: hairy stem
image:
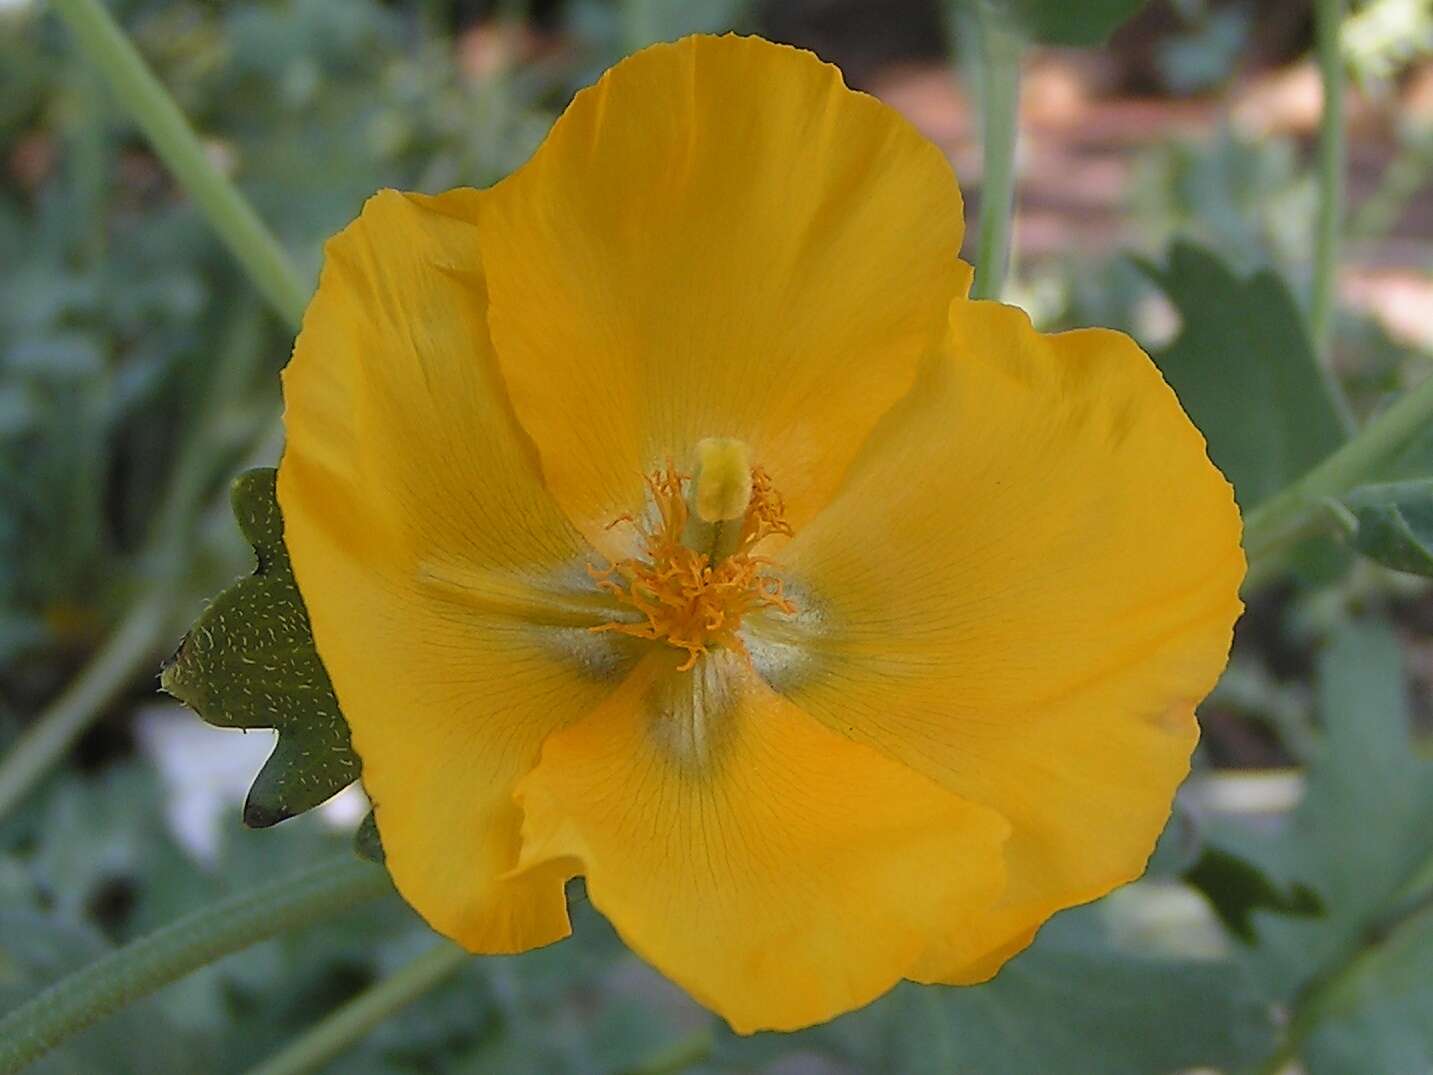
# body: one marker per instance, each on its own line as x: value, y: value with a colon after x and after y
x: 346, y: 1025
x: 141, y: 967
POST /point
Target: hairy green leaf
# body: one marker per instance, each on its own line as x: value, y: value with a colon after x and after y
x: 249, y: 662
x: 1244, y: 368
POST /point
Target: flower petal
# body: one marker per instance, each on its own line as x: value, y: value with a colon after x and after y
x: 779, y: 872
x: 1023, y: 590
x: 717, y: 240
x: 444, y: 584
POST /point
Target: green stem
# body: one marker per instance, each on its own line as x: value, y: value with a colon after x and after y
x: 1299, y: 511
x: 135, y: 87
x: 339, y: 1030
x: 141, y: 967
x: 1000, y: 51
x: 108, y: 672
x: 1328, y: 16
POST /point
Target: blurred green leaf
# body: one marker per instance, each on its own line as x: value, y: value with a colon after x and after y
x: 1200, y: 59
x: 1060, y: 22
x: 1083, y: 1006
x: 1236, y: 888
x: 1244, y: 368
x: 1395, y: 524
x: 1073, y: 1003
x: 1051, y: 22
x: 249, y: 661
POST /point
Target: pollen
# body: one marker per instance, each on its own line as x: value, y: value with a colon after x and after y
x: 691, y: 591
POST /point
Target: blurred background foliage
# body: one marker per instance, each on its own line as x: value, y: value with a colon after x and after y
x: 1165, y: 187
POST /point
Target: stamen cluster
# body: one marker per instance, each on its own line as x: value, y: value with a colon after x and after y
x: 690, y: 602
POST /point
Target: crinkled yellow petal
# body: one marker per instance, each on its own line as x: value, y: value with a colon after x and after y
x: 444, y: 584
x: 718, y: 239
x: 778, y: 871
x: 1024, y: 589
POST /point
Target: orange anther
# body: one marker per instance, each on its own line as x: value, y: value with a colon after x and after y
x: 688, y: 602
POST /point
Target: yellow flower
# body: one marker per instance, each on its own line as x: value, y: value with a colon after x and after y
x: 667, y: 516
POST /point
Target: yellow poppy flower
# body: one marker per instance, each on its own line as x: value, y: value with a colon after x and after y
x: 667, y: 516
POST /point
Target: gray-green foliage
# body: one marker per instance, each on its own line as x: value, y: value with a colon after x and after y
x: 117, y: 299
x: 570, y: 1009
x: 1248, y: 198
x: 108, y: 337
x: 1361, y: 840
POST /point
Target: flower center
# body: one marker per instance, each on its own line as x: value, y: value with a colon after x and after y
x: 699, y: 576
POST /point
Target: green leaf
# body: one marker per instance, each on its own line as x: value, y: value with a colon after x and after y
x: 1244, y: 368
x: 1395, y: 525
x: 1060, y: 22
x: 249, y: 662
x: 1073, y: 1002
x: 1236, y: 888
x: 1084, y: 1005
